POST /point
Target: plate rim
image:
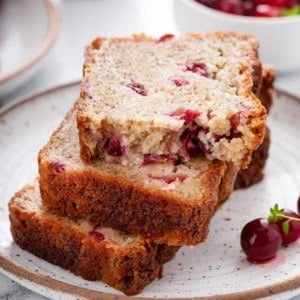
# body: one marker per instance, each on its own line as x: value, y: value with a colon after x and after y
x: 45, y: 46
x: 14, y: 270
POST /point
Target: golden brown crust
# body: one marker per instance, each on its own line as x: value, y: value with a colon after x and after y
x: 254, y: 173
x: 265, y: 94
x: 258, y: 129
x: 60, y: 242
x: 121, y: 204
x: 227, y: 182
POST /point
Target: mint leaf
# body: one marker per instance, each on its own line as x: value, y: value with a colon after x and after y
x: 286, y: 226
x: 275, y: 214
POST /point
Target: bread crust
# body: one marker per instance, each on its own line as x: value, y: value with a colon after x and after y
x: 121, y: 204
x: 254, y: 173
x: 61, y: 242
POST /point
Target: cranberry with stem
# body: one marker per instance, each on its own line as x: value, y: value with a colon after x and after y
x: 288, y: 222
x: 289, y: 228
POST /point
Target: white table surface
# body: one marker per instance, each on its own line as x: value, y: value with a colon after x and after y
x: 81, y: 21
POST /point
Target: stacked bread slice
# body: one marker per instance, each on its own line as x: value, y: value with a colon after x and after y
x: 141, y: 162
x: 254, y: 172
x: 124, y: 261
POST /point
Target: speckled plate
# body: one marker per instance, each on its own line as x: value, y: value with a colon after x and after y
x: 28, y: 29
x: 216, y: 269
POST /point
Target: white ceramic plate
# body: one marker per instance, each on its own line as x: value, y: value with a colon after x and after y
x: 216, y: 269
x: 28, y: 29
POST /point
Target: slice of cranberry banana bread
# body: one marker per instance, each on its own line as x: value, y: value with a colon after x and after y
x: 170, y: 204
x: 186, y: 97
x: 125, y: 262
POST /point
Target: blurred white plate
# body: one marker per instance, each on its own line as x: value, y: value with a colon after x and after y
x: 28, y: 29
x: 216, y: 269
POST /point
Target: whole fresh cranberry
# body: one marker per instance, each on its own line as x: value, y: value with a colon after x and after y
x: 248, y: 7
x: 277, y: 3
x: 260, y: 240
x: 209, y: 3
x: 265, y: 10
x: 230, y: 6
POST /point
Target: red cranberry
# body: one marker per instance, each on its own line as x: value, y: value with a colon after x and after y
x: 188, y: 115
x: 138, y: 88
x: 197, y: 67
x: 260, y: 240
x: 152, y: 159
x: 234, y: 132
x: 294, y: 227
x: 85, y: 90
x: 180, y: 81
x: 277, y: 3
x: 234, y: 122
x: 209, y: 3
x: 169, y: 178
x: 264, y: 10
x: 98, y: 236
x: 57, y: 167
x: 230, y: 6
x: 166, y: 37
x: 113, y: 147
x: 248, y: 8
x: 191, y: 143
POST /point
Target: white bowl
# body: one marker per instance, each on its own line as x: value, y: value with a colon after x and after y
x: 279, y: 37
x: 28, y: 31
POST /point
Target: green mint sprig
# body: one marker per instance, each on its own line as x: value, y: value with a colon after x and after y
x: 292, y: 11
x: 277, y: 214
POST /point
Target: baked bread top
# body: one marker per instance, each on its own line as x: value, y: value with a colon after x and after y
x: 187, y: 97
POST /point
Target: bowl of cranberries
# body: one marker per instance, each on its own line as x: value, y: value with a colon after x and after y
x: 274, y: 23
